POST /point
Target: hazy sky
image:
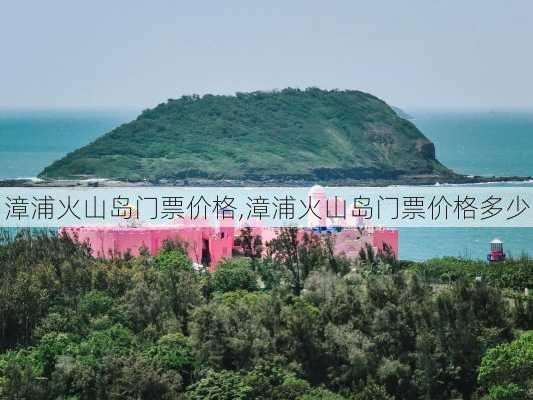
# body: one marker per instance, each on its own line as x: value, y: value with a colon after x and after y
x: 427, y: 53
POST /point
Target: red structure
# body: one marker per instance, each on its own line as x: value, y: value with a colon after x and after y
x: 496, y: 251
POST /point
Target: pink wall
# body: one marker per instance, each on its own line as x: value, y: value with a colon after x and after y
x: 350, y: 241
x: 107, y: 241
x: 387, y: 236
x: 218, y: 241
x: 111, y: 240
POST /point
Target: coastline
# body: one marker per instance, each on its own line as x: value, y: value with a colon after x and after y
x: 414, y: 180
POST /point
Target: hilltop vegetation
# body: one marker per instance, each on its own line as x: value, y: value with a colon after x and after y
x: 292, y: 135
x: 299, y: 324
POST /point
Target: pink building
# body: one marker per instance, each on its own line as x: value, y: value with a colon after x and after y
x: 207, y: 245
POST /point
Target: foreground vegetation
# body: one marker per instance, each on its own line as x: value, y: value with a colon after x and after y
x: 299, y: 324
x: 514, y: 274
x: 311, y: 135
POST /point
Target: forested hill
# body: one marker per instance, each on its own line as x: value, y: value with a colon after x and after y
x: 292, y: 135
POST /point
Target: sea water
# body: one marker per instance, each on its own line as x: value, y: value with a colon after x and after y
x: 31, y: 140
x: 491, y: 143
x: 476, y: 143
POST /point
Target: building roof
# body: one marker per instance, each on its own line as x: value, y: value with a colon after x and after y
x: 317, y: 189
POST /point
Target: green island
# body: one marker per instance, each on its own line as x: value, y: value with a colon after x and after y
x: 298, y: 324
x: 283, y: 137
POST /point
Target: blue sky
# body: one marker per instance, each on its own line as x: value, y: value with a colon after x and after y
x: 98, y: 54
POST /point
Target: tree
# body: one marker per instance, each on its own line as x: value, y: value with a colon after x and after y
x: 179, y: 281
x: 234, y: 331
x: 297, y: 256
x: 172, y: 254
x: 372, y: 391
x: 138, y: 328
x: 20, y: 376
x: 234, y: 274
x: 270, y: 381
x: 300, y: 336
x: 251, y: 246
x: 223, y: 385
x: 135, y: 377
x: 321, y: 394
x: 381, y: 261
x: 174, y: 352
x: 506, y: 371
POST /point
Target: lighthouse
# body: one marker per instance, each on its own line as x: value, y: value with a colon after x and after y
x: 496, y: 251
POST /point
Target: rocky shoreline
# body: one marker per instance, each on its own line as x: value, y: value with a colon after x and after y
x: 407, y: 180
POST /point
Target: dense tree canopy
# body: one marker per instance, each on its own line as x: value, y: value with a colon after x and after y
x: 507, y: 370
x: 296, y: 324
